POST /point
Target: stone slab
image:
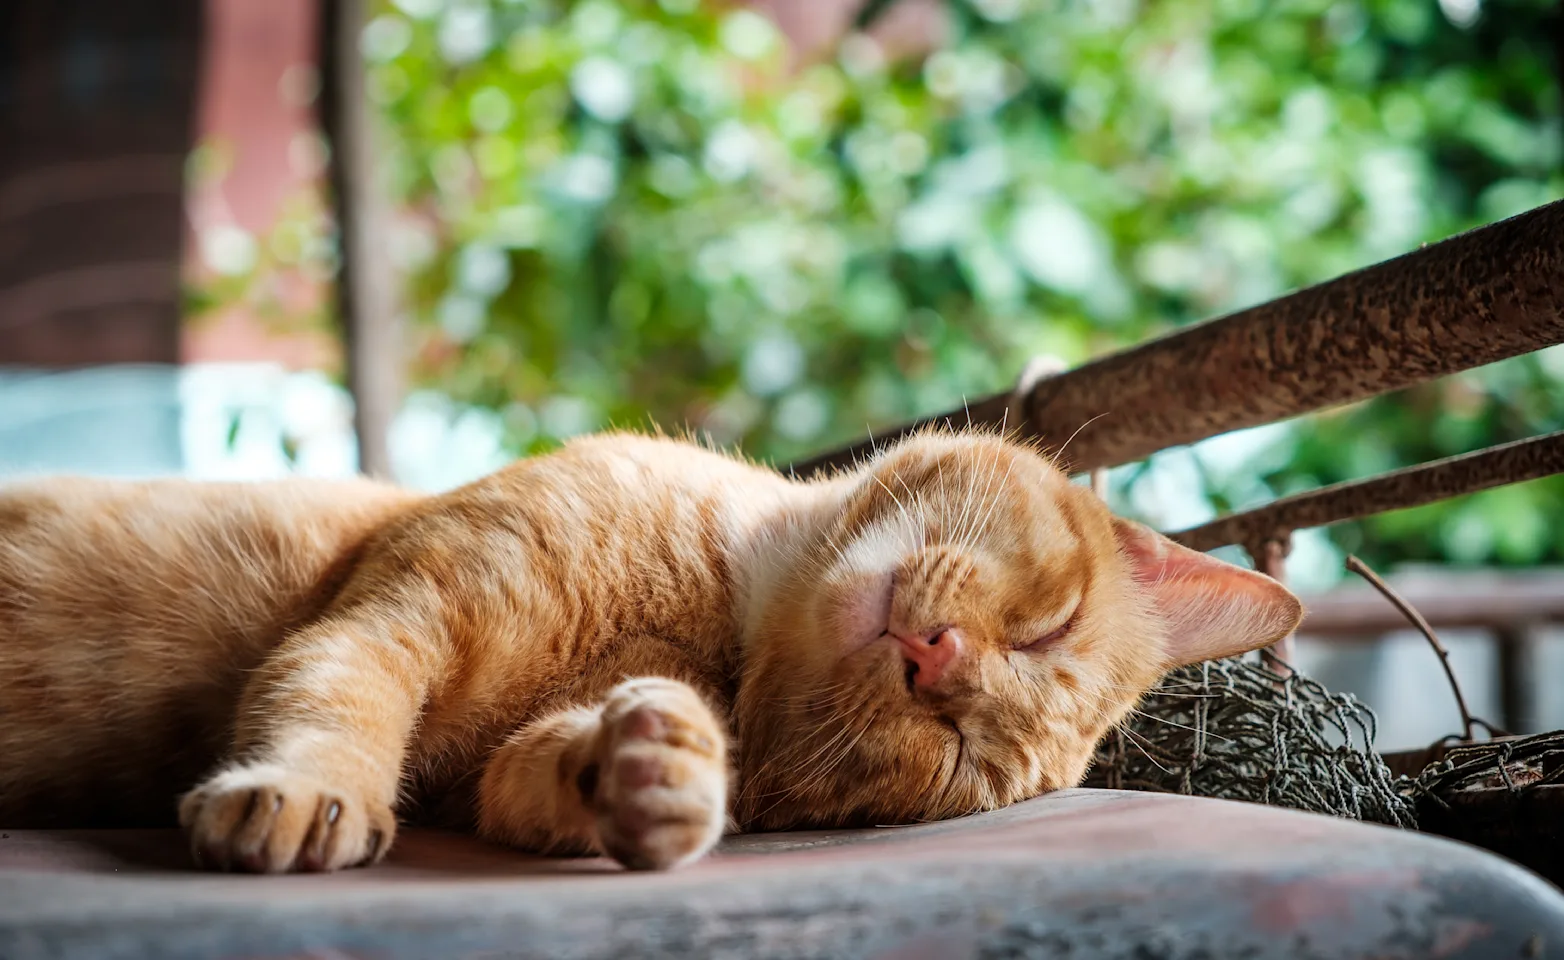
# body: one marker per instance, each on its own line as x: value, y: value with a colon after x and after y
x: 1080, y: 873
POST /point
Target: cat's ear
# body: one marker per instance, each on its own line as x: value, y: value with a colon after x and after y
x: 1213, y: 609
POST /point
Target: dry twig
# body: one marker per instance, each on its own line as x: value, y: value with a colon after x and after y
x: 1468, y: 722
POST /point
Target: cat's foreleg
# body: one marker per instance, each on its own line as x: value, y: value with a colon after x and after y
x: 641, y: 777
x: 320, y: 740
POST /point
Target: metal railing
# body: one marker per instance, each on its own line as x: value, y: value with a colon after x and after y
x: 1486, y: 295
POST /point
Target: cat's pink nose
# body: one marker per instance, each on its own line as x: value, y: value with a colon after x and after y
x: 933, y: 654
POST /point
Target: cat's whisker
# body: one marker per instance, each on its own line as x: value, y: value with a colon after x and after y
x: 1136, y: 711
x: 846, y: 750
x: 1058, y: 456
x: 785, y: 755
x: 968, y: 506
x: 841, y: 554
x: 1136, y: 741
x: 1181, y: 726
x: 785, y: 791
x: 988, y: 497
x: 956, y: 766
x: 969, y: 539
x: 839, y: 738
x: 944, y: 501
x: 921, y: 513
x: 829, y: 697
x: 1156, y: 691
x: 994, y: 502
x: 906, y: 529
x: 972, y: 525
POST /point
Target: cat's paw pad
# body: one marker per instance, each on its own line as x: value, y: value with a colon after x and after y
x: 658, y: 785
x: 266, y: 819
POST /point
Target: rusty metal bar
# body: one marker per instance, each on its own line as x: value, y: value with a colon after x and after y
x: 1483, y: 296
x: 1410, y: 487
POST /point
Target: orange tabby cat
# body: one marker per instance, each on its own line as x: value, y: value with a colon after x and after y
x: 614, y: 648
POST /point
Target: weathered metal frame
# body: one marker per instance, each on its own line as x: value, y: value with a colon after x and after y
x: 1483, y: 296
x: 1486, y: 295
x: 1410, y: 487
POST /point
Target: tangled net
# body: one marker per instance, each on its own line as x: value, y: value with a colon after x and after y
x: 1519, y: 766
x: 1258, y: 732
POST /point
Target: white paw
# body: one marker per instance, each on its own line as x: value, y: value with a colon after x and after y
x: 266, y: 819
x: 659, y: 784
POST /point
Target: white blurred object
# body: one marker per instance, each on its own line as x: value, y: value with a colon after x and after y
x: 437, y: 444
x: 121, y: 421
x: 250, y: 421
x: 227, y: 421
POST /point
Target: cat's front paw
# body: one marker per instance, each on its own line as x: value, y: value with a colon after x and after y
x: 267, y: 819
x: 658, y: 782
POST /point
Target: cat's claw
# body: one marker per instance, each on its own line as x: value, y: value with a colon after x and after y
x: 266, y: 819
x: 658, y: 785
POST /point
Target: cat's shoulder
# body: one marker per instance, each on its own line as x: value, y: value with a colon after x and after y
x: 630, y: 457
x: 653, y: 447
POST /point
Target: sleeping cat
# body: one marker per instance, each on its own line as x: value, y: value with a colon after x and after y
x: 616, y: 647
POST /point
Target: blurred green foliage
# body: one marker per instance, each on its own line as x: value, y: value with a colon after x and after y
x: 621, y: 209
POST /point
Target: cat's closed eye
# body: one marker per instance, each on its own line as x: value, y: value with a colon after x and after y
x: 1046, y: 637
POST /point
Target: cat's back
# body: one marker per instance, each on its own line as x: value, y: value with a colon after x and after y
x: 138, y: 607
x: 628, y: 474
x: 82, y: 553
x: 621, y: 495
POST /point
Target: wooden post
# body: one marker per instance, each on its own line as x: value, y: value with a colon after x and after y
x: 1270, y: 558
x: 365, y: 295
x: 1517, y: 711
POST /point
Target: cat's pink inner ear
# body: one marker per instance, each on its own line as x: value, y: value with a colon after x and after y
x: 1212, y: 609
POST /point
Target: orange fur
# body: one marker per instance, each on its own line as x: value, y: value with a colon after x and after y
x: 616, y: 647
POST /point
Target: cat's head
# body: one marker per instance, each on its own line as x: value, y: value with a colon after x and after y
x: 961, y: 630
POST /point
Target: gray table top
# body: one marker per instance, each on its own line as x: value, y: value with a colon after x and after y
x: 1079, y: 873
